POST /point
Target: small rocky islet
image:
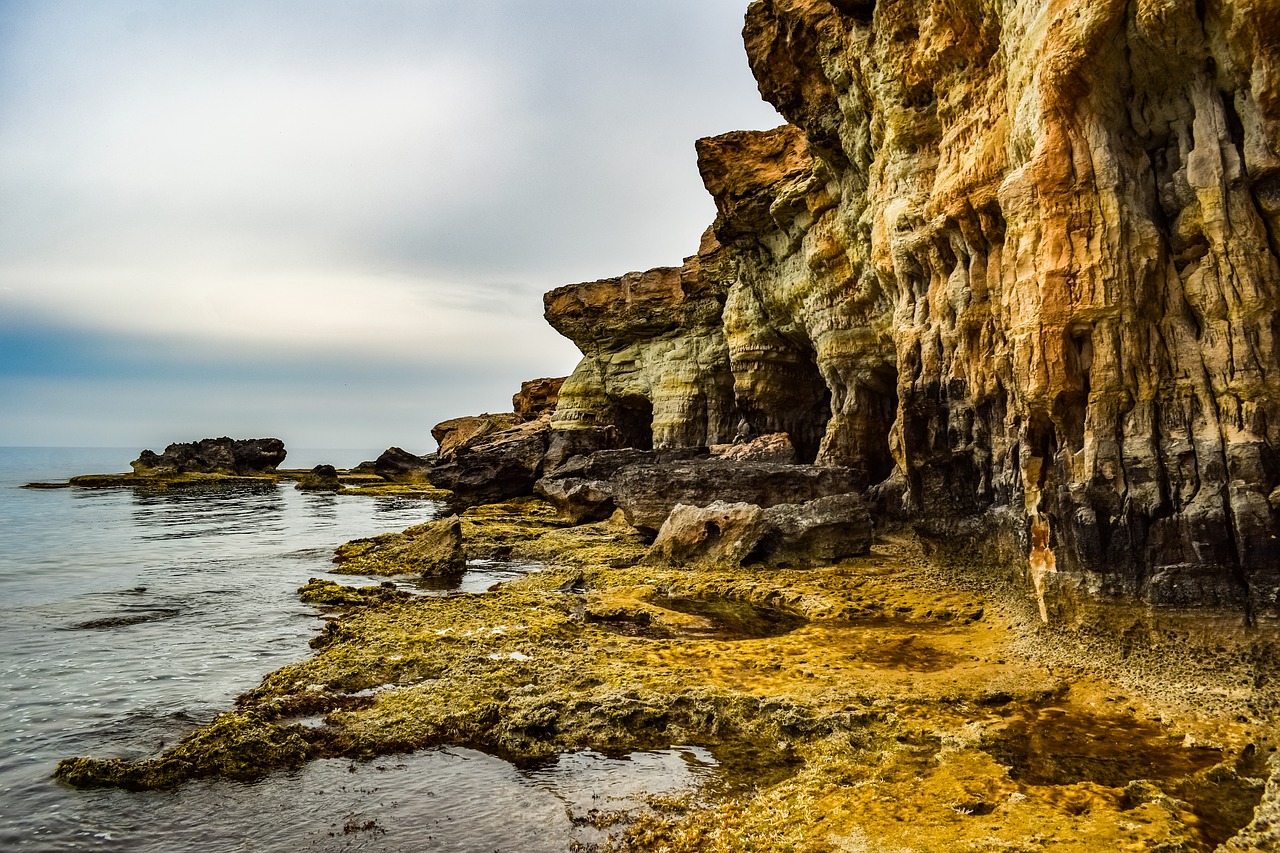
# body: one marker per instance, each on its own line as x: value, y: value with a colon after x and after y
x: 936, y: 494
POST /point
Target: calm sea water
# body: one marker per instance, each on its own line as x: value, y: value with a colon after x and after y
x: 128, y: 619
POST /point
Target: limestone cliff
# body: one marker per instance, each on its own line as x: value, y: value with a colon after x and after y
x: 656, y: 371
x: 1021, y: 257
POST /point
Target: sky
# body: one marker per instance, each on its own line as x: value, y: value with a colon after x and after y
x: 332, y: 221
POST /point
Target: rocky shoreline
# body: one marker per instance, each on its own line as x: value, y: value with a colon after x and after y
x: 883, y: 700
x: 937, y: 493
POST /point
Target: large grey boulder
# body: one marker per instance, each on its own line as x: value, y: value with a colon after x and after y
x: 817, y: 532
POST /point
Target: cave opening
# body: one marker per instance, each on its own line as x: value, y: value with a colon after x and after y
x: 633, y: 417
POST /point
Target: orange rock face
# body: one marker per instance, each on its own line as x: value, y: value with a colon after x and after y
x: 1023, y: 257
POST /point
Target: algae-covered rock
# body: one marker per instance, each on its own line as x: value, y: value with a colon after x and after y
x: 235, y: 745
x: 434, y: 548
x: 334, y: 594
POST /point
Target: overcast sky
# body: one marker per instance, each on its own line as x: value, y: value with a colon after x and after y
x: 332, y: 220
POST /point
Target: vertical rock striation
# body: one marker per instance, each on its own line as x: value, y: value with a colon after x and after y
x: 1020, y: 257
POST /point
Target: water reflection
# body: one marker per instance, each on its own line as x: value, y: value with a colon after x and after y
x: 209, y: 511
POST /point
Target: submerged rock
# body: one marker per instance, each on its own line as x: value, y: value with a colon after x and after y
x: 243, y: 457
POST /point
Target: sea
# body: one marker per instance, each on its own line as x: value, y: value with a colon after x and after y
x: 128, y: 618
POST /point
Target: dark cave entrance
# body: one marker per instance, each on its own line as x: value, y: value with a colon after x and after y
x: 633, y: 416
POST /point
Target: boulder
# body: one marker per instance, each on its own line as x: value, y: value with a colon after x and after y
x: 580, y: 487
x: 719, y: 534
x: 400, y: 466
x: 817, y: 532
x: 646, y: 493
x: 322, y: 478
x: 241, y: 457
x: 825, y: 530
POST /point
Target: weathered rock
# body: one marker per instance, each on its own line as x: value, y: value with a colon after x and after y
x: 434, y: 548
x: 401, y: 466
x: 473, y: 429
x: 821, y: 531
x: 656, y: 370
x: 494, y: 466
x: 580, y: 487
x: 721, y: 534
x: 647, y: 493
x: 818, y: 532
x: 322, y: 478
x: 243, y: 457
x: 775, y: 447
x: 1019, y: 258
x: 579, y: 500
x: 536, y: 398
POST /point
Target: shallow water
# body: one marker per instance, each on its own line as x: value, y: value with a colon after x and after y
x: 126, y: 619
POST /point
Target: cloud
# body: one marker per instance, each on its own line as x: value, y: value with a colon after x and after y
x: 394, y: 180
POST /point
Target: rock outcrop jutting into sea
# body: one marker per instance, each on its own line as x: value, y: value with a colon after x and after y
x: 1016, y: 262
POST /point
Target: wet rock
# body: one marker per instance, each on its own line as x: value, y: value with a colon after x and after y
x: 647, y: 493
x: 818, y: 532
x: 536, y: 398
x: 243, y: 457
x: 322, y: 478
x: 434, y: 548
x: 400, y: 466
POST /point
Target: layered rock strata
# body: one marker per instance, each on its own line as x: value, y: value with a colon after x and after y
x: 1020, y: 258
x: 537, y: 397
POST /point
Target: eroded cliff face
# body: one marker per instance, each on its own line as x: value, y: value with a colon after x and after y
x: 1019, y: 256
x: 656, y: 369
